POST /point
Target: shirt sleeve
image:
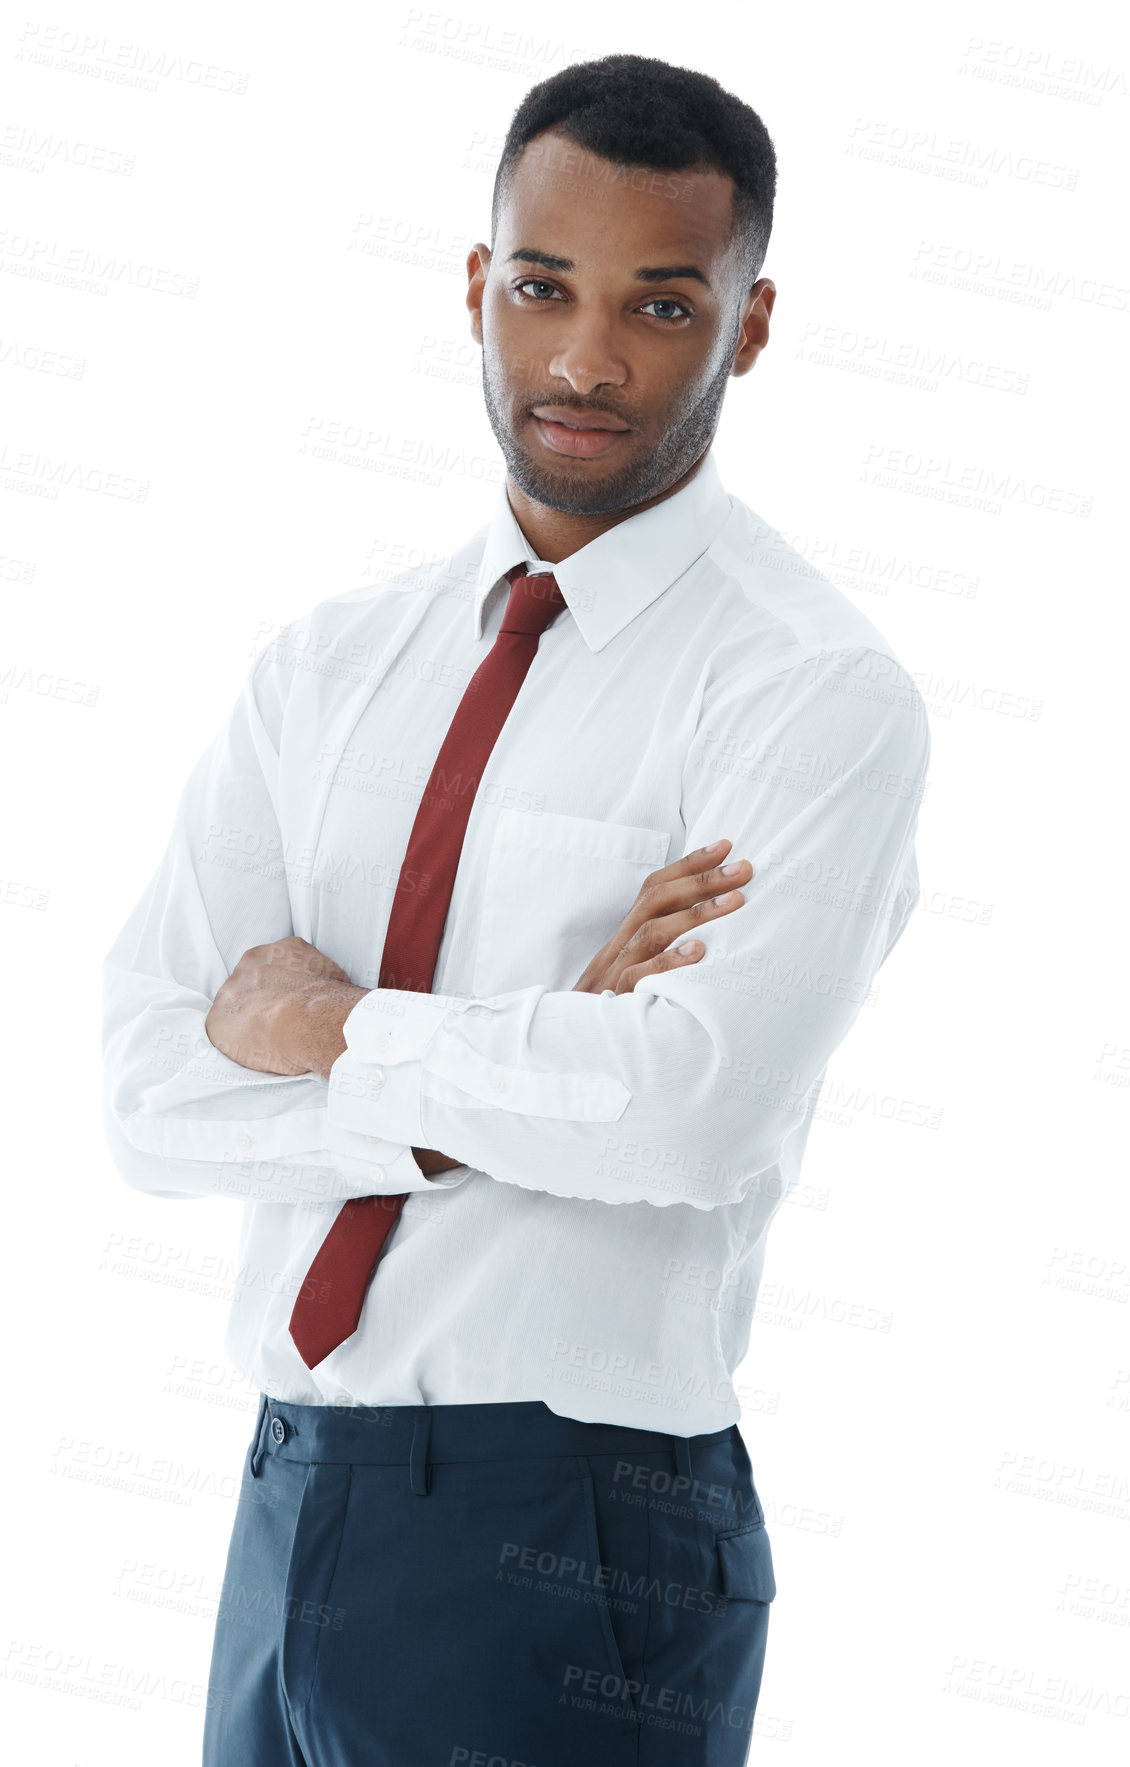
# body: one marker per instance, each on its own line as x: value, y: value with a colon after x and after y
x: 181, y: 1118
x: 687, y: 1089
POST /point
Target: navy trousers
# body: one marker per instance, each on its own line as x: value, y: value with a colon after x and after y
x: 487, y: 1586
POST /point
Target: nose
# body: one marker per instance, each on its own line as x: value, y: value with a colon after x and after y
x: 586, y: 356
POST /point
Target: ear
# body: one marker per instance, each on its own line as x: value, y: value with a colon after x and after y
x: 753, y: 334
x: 478, y: 267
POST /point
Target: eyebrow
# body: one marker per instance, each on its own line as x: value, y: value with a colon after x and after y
x: 650, y: 273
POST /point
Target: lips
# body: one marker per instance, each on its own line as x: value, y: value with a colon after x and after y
x: 581, y: 435
x: 582, y: 420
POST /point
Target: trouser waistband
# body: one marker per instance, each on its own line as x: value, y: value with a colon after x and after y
x: 420, y: 1436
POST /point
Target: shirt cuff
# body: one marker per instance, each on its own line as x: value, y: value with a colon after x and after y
x: 375, y: 1086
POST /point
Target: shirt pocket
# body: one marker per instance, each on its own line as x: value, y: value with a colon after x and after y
x: 556, y: 888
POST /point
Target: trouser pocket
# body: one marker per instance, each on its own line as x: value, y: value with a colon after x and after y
x: 622, y: 1618
x: 744, y: 1562
x: 745, y: 1565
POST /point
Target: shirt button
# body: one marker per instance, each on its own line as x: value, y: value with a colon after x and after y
x: 278, y: 1429
x: 377, y: 1077
x: 377, y: 1174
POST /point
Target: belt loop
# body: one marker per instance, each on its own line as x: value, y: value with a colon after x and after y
x: 259, y: 1439
x: 683, y: 1458
x: 419, y: 1476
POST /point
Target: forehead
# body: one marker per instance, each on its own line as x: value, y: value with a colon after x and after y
x: 566, y: 200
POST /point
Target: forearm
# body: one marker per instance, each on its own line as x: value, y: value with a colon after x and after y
x: 184, y: 1120
x: 432, y: 1163
x: 641, y: 1097
x: 688, y: 1088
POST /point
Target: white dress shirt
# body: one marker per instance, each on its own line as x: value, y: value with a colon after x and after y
x: 624, y: 1154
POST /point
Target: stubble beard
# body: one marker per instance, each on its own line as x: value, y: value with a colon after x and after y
x: 653, y: 468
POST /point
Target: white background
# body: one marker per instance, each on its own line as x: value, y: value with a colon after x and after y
x: 280, y: 247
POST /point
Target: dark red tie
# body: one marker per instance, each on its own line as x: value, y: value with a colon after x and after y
x: 328, y: 1308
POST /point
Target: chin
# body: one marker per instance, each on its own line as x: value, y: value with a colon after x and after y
x: 579, y: 487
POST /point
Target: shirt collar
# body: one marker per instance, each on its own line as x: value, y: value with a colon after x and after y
x: 621, y: 572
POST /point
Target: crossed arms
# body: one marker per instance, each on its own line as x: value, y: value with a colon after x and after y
x: 284, y: 1006
x: 709, y: 1064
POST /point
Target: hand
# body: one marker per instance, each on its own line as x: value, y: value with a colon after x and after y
x: 671, y: 901
x: 282, y: 1009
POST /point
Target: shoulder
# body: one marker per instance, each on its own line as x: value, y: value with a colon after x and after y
x: 787, y: 636
x: 782, y: 596
x: 343, y: 640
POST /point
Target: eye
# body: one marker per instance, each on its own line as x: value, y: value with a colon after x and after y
x: 684, y: 312
x: 537, y: 282
x: 670, y: 301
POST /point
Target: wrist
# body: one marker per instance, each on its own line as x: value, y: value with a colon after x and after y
x: 325, y: 1013
x: 431, y: 1162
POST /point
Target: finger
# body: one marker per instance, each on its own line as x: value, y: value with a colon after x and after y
x: 661, y: 930
x: 660, y: 894
x: 652, y: 939
x: 700, y: 860
x: 298, y: 957
x: 667, y: 927
x: 690, y: 952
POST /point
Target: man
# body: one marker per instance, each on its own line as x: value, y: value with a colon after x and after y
x: 504, y: 936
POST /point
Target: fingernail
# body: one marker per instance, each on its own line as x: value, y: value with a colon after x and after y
x: 732, y: 869
x: 689, y: 946
x: 721, y: 901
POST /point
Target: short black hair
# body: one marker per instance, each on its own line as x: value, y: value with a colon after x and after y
x: 637, y: 111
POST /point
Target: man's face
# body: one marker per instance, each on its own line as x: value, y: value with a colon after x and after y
x: 584, y: 337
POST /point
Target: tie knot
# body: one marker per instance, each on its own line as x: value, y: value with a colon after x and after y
x: 534, y: 602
